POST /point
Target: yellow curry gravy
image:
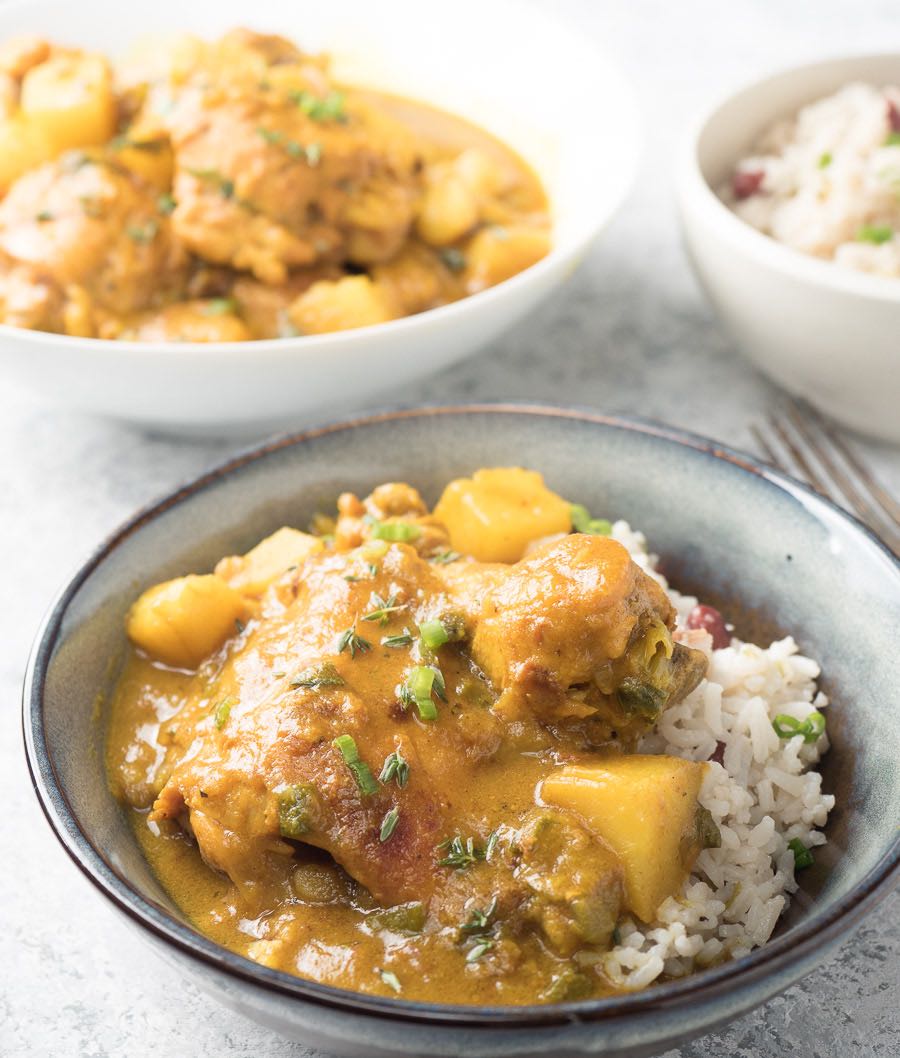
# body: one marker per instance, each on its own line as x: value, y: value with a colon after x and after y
x: 332, y: 749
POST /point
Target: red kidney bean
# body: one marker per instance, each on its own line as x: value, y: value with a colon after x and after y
x: 709, y: 619
x: 718, y: 754
x: 893, y: 115
x: 746, y: 182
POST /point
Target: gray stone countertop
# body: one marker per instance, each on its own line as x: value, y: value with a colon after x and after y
x: 630, y: 333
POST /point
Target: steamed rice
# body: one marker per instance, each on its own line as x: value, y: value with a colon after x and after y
x: 827, y: 181
x: 764, y: 794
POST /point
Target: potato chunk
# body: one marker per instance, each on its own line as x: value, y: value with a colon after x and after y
x: 254, y: 572
x: 70, y: 97
x: 182, y: 621
x: 496, y: 513
x: 498, y: 253
x: 340, y: 305
x: 645, y: 808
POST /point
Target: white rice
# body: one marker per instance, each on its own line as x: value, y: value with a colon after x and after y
x: 764, y: 795
x: 830, y: 180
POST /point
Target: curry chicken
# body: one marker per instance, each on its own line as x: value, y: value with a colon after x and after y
x: 232, y: 190
x: 398, y: 754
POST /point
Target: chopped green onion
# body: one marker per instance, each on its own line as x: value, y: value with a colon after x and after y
x: 892, y: 139
x: 405, y: 639
x: 346, y: 746
x: 331, y: 108
x: 389, y: 824
x: 43, y: 216
x: 479, y: 949
x: 349, y: 640
x: 391, y: 980
x: 492, y: 840
x: 802, y: 856
x: 223, y: 711
x: 454, y: 259
x: 582, y: 522
x: 420, y: 682
x: 296, y: 809
x: 825, y: 160
x: 313, y: 152
x: 166, y: 204
x: 442, y: 558
x: 811, y: 728
x: 395, y: 767
x: 213, y: 176
x: 479, y: 920
x: 873, y: 234
x: 219, y: 307
x: 143, y: 234
x: 383, y: 608
x: 433, y: 634
x: 401, y: 918
x: 315, y: 679
x: 395, y: 532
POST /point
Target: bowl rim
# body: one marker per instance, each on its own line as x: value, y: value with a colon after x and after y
x: 828, y: 924
x: 766, y: 250
x: 558, y: 256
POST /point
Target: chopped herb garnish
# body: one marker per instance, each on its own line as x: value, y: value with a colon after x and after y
x: 433, y: 634
x: 492, y: 840
x: 213, y: 176
x: 143, y: 233
x: 401, y: 918
x: 349, y: 640
x: 44, y: 216
x: 874, y: 234
x: 802, y: 856
x: 346, y: 746
x: 443, y: 557
x: 395, y: 532
x: 405, y: 639
x: 296, y: 810
x: 460, y: 853
x: 892, y: 139
x: 825, y: 160
x: 810, y: 728
x: 479, y: 949
x: 313, y: 152
x: 389, y: 824
x: 331, y: 108
x: 121, y: 143
x: 395, y: 767
x: 478, y: 920
x: 315, y: 679
x: 582, y: 522
x: 91, y: 205
x: 166, y: 204
x: 383, y: 608
x: 390, y: 979
x: 239, y: 625
x: 420, y: 682
x: 454, y: 259
x: 223, y: 711
x: 219, y: 307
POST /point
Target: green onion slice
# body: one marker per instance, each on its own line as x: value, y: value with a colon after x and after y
x: 811, y: 728
x: 582, y: 522
x: 802, y: 856
x: 420, y: 682
x: 395, y: 532
x: 433, y: 634
x: 389, y: 824
x: 346, y: 746
x: 223, y: 711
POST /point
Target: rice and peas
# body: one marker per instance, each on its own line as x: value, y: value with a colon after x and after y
x: 827, y: 181
x: 757, y: 718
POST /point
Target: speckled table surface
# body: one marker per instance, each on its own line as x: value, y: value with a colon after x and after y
x: 630, y: 333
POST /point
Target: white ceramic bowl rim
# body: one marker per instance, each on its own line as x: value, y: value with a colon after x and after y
x: 607, y: 206
x: 764, y: 248
x: 828, y: 922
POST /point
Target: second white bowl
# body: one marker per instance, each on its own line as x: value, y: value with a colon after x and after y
x: 824, y: 332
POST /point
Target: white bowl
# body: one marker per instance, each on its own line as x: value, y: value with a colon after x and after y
x: 505, y: 65
x: 823, y: 331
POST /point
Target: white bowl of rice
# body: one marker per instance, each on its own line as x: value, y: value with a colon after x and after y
x: 789, y: 192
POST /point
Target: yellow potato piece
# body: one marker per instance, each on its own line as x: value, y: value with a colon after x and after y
x: 23, y: 146
x: 254, y: 572
x: 497, y: 253
x: 70, y: 97
x: 645, y: 809
x: 496, y: 513
x: 340, y: 305
x: 182, y: 621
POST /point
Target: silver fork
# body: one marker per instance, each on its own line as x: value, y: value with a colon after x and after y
x: 798, y: 441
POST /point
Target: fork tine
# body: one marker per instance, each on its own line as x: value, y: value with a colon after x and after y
x: 878, y: 493
x: 807, y: 470
x: 842, y: 481
x: 768, y: 452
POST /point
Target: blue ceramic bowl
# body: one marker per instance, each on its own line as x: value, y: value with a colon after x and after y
x: 723, y: 524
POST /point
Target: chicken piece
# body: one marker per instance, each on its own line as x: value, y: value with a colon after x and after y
x: 265, y: 308
x: 212, y: 320
x: 394, y: 511
x: 417, y: 279
x: 288, y: 175
x: 93, y: 231
x: 578, y: 633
